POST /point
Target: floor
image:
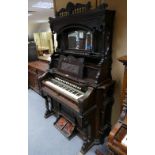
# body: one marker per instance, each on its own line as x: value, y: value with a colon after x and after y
x: 43, y: 137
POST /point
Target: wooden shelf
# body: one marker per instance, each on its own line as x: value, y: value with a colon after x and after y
x: 35, y: 69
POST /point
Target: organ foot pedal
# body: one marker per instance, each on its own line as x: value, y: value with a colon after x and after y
x: 65, y: 127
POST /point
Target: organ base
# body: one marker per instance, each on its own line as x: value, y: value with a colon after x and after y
x: 84, y: 124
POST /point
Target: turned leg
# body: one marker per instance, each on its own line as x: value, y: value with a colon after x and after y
x: 48, y: 104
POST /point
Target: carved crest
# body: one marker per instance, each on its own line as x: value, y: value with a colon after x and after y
x: 72, y: 9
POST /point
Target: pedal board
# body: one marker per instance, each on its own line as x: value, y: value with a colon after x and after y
x: 65, y: 127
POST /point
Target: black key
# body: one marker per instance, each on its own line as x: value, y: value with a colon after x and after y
x: 78, y: 94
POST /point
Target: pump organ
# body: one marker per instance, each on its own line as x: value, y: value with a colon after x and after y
x: 78, y: 87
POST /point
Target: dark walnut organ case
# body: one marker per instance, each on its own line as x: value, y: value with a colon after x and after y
x: 78, y: 87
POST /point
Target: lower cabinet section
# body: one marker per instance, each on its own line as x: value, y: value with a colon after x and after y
x: 92, y: 125
x: 33, y: 81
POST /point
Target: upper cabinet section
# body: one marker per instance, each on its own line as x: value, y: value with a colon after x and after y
x: 84, y: 31
x: 89, y: 20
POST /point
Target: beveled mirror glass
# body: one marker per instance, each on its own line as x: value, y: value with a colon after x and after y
x: 80, y: 40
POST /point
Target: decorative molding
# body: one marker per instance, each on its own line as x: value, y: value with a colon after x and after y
x: 92, y: 21
x: 72, y: 9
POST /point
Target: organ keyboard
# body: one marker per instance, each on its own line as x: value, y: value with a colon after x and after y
x: 66, y: 88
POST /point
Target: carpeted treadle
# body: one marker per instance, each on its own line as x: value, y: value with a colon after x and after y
x: 43, y: 137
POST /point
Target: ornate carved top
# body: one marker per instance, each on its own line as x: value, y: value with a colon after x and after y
x: 92, y: 21
x: 73, y: 9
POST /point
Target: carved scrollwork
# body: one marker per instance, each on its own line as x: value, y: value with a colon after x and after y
x: 72, y: 9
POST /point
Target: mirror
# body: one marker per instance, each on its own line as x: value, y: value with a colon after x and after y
x: 80, y: 40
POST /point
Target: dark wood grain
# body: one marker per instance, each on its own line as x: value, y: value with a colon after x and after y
x: 36, y: 69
